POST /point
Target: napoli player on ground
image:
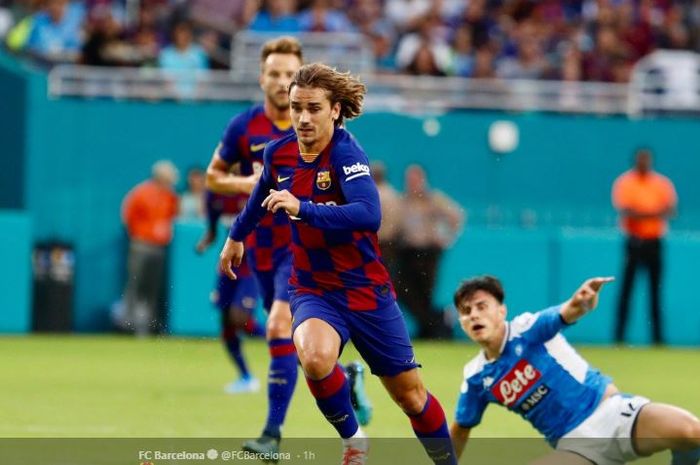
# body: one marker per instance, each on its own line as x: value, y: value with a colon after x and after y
x: 340, y: 289
x: 269, y: 254
x: 236, y: 300
x: 528, y: 367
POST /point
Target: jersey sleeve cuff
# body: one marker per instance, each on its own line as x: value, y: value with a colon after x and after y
x: 305, y: 210
x: 236, y: 233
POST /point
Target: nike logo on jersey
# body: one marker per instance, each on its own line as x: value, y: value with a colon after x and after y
x: 257, y: 147
x: 281, y: 179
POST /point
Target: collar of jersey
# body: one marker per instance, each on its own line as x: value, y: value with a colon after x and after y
x: 503, y: 346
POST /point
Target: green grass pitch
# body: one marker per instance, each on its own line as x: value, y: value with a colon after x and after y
x: 116, y: 387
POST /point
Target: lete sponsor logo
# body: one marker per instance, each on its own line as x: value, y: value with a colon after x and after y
x: 509, y: 389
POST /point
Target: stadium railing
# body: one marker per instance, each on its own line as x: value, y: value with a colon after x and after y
x: 659, y: 85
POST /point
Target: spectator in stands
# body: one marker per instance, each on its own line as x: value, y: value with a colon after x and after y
x: 406, y: 15
x: 22, y: 23
x: 390, y: 202
x: 320, y: 17
x: 367, y: 18
x: 606, y: 60
x: 192, y: 200
x: 56, y: 35
x: 645, y: 200
x: 483, y: 64
x: 425, y: 52
x: 277, y: 16
x: 430, y: 222
x: 183, y: 59
x: 148, y: 211
x: 529, y: 63
x: 462, y: 62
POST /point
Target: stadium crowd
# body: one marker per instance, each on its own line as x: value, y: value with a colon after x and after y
x: 590, y: 40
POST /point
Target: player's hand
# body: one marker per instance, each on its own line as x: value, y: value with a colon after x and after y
x: 586, y: 296
x: 230, y: 257
x: 205, y: 242
x: 282, y: 200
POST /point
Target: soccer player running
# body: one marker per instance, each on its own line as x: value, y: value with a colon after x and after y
x: 340, y: 289
x: 527, y: 366
x: 269, y: 254
x: 236, y: 300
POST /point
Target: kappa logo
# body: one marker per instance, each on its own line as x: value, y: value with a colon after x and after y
x: 488, y: 381
x: 355, y: 171
x: 509, y: 389
x: 257, y: 147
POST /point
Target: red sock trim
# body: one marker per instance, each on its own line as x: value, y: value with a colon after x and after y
x: 430, y: 419
x: 282, y: 350
x: 329, y: 385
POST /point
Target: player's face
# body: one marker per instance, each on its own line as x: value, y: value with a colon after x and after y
x: 275, y: 77
x: 482, y: 317
x: 313, y: 116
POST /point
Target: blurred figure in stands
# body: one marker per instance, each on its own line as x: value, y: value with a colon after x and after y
x: 148, y: 212
x: 430, y: 222
x: 390, y: 201
x: 56, y: 34
x: 192, y: 200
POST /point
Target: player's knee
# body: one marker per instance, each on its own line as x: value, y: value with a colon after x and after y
x: 278, y: 328
x: 691, y: 432
x: 317, y: 362
x: 411, y: 400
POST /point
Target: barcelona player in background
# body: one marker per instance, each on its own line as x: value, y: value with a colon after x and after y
x: 269, y: 254
x: 340, y: 289
x: 237, y: 300
x: 528, y: 367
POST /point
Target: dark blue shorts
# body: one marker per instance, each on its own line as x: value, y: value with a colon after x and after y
x: 380, y: 335
x: 274, y: 284
x: 241, y: 293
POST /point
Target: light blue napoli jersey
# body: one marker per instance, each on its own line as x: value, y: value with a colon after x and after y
x: 538, y: 375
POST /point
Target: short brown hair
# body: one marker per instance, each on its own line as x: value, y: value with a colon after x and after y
x: 341, y: 88
x: 484, y: 283
x: 285, y: 45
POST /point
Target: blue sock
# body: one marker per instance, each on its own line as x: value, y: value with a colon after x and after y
x: 332, y: 395
x: 282, y: 377
x: 688, y: 457
x: 233, y: 347
x: 430, y: 427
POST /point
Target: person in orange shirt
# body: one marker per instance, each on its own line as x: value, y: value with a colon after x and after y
x: 645, y: 201
x: 148, y: 211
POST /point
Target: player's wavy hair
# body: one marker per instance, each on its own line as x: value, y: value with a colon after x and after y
x: 285, y: 45
x: 484, y: 283
x: 341, y: 88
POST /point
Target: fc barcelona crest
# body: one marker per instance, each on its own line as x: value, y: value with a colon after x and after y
x: 323, y: 180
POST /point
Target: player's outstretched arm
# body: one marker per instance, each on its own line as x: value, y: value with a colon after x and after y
x: 459, y: 437
x: 219, y: 178
x: 584, y: 299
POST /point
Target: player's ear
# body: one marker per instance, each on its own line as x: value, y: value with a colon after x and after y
x: 335, y: 111
x: 503, y: 311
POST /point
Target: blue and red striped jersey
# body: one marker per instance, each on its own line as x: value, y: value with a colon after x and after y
x: 334, y: 240
x: 243, y: 142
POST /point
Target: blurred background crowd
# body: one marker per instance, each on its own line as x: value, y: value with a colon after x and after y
x: 573, y: 40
